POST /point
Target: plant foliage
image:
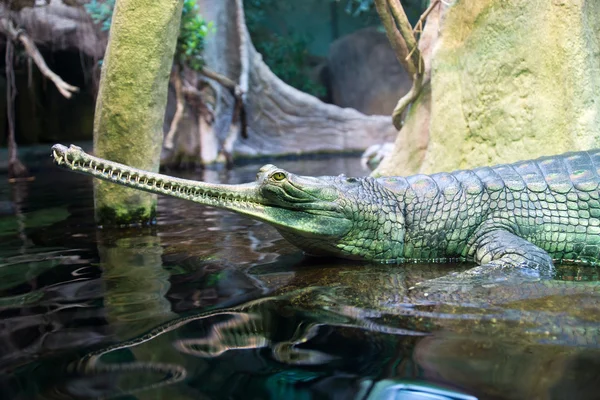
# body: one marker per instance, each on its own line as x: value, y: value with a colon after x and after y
x: 192, y: 31
x: 101, y: 12
x: 192, y: 34
x: 286, y: 55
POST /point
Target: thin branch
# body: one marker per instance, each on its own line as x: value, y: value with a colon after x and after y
x: 221, y: 79
x: 403, y: 25
x: 402, y: 37
x: 177, y: 84
x: 407, y: 100
x: 16, y: 169
x: 236, y: 90
x: 419, y: 25
x: 191, y: 91
x: 203, y: 108
x: 396, y: 40
x: 7, y: 27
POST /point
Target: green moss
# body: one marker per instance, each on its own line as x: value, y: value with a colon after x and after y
x: 114, y: 216
x: 128, y: 126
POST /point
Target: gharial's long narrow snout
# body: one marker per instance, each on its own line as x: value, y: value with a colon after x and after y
x: 231, y: 197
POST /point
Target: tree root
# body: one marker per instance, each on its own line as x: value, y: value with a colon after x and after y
x: 238, y: 93
x: 407, y: 100
x: 7, y: 27
x: 178, y: 85
x: 240, y: 103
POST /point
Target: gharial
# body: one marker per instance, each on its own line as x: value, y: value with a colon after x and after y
x: 517, y: 217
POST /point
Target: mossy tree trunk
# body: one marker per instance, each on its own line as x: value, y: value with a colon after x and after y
x: 128, y: 125
x: 508, y: 81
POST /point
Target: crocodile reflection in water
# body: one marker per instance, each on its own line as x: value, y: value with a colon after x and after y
x: 542, y: 321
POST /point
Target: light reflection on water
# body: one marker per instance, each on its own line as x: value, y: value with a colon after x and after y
x: 231, y: 310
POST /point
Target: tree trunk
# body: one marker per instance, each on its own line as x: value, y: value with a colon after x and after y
x: 128, y: 125
x: 281, y: 120
x: 509, y: 81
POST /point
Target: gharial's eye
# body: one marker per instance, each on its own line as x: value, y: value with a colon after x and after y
x: 278, y: 176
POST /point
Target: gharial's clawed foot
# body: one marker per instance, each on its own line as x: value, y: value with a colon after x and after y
x: 505, y: 259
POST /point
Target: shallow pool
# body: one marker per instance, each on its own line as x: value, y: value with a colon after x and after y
x: 207, y: 304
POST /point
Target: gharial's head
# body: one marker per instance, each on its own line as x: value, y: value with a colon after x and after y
x: 334, y: 215
x: 330, y: 215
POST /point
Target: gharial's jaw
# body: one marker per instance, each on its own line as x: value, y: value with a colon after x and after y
x: 239, y: 198
x: 321, y: 222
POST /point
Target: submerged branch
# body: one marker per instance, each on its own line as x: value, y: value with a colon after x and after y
x: 7, y: 27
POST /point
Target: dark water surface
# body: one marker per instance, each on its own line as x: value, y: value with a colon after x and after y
x: 211, y: 305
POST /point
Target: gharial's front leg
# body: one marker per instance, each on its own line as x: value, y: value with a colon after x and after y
x: 502, y: 257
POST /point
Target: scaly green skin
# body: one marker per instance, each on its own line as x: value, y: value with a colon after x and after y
x: 520, y: 215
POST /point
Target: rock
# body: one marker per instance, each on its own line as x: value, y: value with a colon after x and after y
x: 514, y: 81
x: 363, y: 73
x: 509, y: 81
x: 373, y: 156
x: 59, y: 26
